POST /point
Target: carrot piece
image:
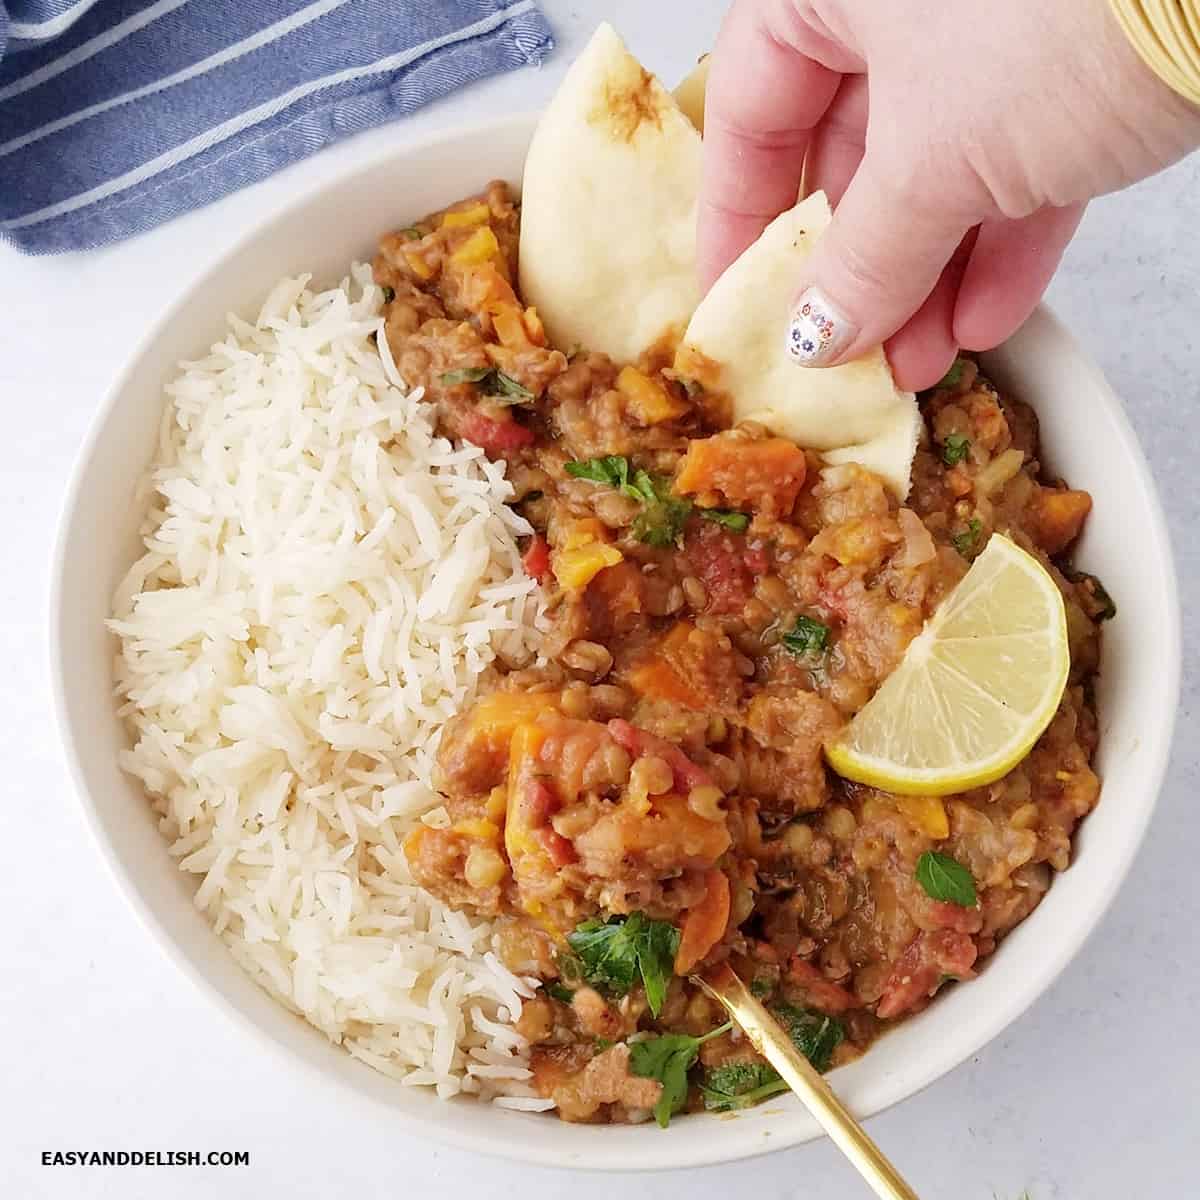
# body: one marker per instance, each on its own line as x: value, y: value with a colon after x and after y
x: 704, y: 923
x: 765, y: 474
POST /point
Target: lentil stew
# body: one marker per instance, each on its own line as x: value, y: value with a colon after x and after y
x: 653, y: 798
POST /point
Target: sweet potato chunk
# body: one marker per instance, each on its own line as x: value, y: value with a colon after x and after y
x: 1060, y: 517
x: 765, y: 474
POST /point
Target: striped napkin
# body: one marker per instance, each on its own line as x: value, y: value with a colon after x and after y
x: 116, y: 115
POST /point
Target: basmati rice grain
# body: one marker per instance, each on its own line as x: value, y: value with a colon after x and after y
x: 324, y: 582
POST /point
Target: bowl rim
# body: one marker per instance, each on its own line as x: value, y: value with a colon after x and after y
x: 664, y: 1154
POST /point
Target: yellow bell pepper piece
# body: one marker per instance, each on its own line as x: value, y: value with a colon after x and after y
x: 510, y: 328
x: 418, y: 266
x: 927, y: 813
x: 475, y: 827
x: 575, y: 569
x: 477, y: 214
x: 583, y: 532
x: 480, y: 247
x: 646, y: 400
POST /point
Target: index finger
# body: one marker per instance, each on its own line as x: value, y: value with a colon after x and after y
x: 765, y: 96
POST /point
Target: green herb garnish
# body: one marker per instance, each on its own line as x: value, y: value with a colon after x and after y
x: 740, y: 1085
x: 465, y: 375
x: 760, y: 986
x: 1099, y: 605
x: 613, y: 470
x: 668, y: 1059
x: 616, y: 952
x: 806, y: 637
x: 965, y: 542
x: 739, y: 522
x: 412, y: 233
x: 814, y: 1034
x: 389, y: 294
x: 955, y: 449
x: 506, y: 385
x: 663, y: 516
x: 661, y: 522
x: 491, y: 383
x: 945, y: 878
x: 952, y: 376
x: 559, y: 992
x: 603, y: 1044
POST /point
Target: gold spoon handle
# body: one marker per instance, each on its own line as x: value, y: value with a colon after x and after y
x: 776, y: 1047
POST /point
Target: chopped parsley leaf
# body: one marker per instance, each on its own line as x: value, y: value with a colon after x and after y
x: 615, y: 953
x: 760, y: 987
x: 945, y: 878
x: 806, y: 637
x: 663, y: 515
x: 952, y: 376
x: 412, y: 233
x: 612, y: 469
x: 1097, y: 603
x: 661, y: 522
x: 668, y: 1059
x: 740, y: 1085
x: 506, y: 385
x: 814, y: 1034
x: 966, y: 541
x: 465, y: 375
x: 491, y: 383
x: 559, y: 992
x: 389, y: 294
x: 739, y: 522
x: 955, y: 449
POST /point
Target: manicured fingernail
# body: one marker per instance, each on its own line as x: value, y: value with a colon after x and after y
x: 817, y: 332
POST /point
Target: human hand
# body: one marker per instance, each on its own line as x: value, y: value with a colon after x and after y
x: 958, y: 185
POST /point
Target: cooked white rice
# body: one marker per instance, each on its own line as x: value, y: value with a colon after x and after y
x: 324, y: 583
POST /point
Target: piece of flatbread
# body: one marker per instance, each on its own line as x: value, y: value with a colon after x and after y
x: 689, y: 95
x: 608, y: 219
x: 736, y: 343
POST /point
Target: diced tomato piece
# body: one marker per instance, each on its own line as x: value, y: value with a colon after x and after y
x: 756, y: 560
x: 536, y: 559
x: 819, y: 992
x: 719, y: 559
x: 639, y: 742
x: 494, y: 436
x: 918, y: 971
x: 558, y: 849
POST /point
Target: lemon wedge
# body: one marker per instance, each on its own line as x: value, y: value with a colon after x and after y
x: 975, y: 688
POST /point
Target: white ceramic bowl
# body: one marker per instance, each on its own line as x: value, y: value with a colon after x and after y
x: 1087, y: 439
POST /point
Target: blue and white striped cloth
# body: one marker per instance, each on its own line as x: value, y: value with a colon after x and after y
x: 116, y: 115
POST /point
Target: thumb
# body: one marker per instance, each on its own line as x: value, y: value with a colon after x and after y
x: 872, y: 270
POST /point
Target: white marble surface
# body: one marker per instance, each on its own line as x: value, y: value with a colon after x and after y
x: 1092, y: 1095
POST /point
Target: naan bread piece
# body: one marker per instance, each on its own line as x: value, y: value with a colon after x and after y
x: 608, y: 218
x: 689, y: 95
x: 735, y: 344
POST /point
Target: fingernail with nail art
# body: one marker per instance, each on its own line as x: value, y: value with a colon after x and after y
x: 817, y: 332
